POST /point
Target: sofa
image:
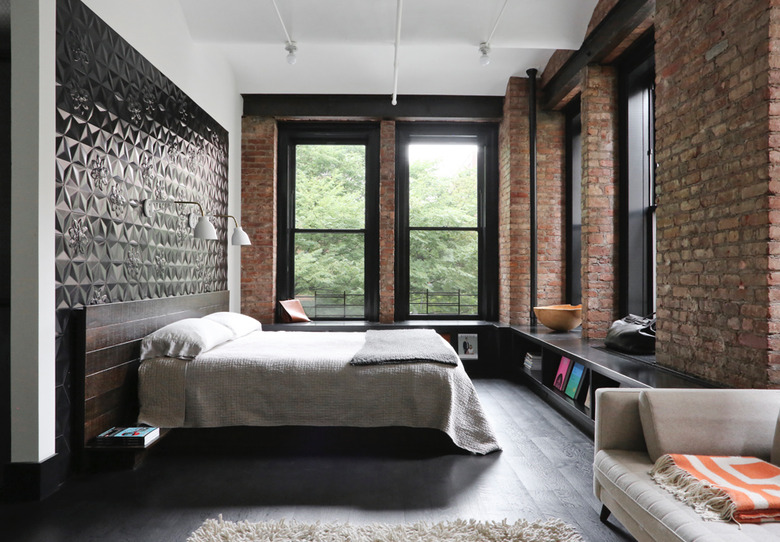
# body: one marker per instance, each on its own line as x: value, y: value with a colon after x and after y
x: 634, y: 427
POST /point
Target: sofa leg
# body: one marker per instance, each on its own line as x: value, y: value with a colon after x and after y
x: 604, y: 515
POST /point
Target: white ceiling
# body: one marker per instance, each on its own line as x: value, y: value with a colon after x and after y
x: 347, y: 46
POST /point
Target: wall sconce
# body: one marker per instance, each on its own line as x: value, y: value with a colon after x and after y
x: 204, y: 229
x: 239, y: 236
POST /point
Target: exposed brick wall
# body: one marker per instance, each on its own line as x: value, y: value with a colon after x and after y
x: 599, y: 13
x: 599, y: 110
x: 514, y: 203
x: 387, y: 222
x: 559, y: 57
x: 515, y: 207
x: 551, y: 219
x: 773, y: 199
x: 258, y: 215
x: 716, y: 133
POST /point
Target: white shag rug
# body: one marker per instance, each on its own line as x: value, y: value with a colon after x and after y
x: 218, y: 530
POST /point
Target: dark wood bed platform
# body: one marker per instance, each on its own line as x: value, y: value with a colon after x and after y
x: 109, y: 337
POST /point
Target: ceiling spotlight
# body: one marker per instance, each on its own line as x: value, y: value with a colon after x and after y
x: 291, y: 48
x: 484, y: 48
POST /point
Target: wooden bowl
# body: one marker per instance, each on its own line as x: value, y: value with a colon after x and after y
x: 559, y: 317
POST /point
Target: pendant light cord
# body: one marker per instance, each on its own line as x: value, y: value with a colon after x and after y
x: 279, y: 14
x: 395, y: 58
x: 500, y: 14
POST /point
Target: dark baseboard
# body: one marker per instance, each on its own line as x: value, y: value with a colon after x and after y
x: 33, y: 481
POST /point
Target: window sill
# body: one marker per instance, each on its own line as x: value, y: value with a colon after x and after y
x: 362, y: 325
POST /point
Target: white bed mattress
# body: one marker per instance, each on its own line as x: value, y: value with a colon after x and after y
x: 305, y: 378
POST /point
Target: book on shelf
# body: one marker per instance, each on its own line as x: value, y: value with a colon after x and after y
x: 128, y: 436
x: 532, y: 361
x: 576, y: 378
x: 587, y: 398
x: 562, y: 376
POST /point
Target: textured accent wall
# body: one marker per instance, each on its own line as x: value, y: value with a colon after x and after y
x: 599, y: 199
x: 258, y: 214
x: 125, y: 133
x: 717, y: 125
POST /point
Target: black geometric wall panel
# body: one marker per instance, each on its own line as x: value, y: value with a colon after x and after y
x: 126, y: 133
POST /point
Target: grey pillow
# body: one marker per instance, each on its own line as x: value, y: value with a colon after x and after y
x: 184, y: 339
x: 240, y: 324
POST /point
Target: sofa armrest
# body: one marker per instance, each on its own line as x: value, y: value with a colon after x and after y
x: 618, y: 426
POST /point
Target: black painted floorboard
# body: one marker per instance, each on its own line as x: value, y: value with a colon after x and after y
x: 328, y: 475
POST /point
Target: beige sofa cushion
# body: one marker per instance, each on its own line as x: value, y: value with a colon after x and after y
x: 623, y: 484
x: 709, y: 421
x: 775, y: 457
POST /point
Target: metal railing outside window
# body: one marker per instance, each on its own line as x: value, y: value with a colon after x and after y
x: 329, y: 304
x: 430, y: 302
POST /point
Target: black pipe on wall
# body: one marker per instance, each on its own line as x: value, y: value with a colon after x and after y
x: 532, y: 184
x: 5, y: 264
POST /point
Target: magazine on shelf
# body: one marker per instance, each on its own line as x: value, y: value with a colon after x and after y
x: 532, y: 361
x: 128, y: 436
x: 576, y: 378
x: 562, y: 376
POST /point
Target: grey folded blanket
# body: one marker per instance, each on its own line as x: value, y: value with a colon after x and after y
x: 404, y: 346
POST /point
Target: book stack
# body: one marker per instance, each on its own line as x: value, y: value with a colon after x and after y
x: 128, y: 436
x: 532, y: 361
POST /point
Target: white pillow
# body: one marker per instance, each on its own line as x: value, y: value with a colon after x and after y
x: 240, y: 324
x: 184, y: 339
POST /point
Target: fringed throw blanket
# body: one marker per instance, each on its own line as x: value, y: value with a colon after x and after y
x: 742, y: 489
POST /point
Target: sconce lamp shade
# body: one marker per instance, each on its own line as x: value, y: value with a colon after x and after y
x: 205, y: 229
x: 239, y: 237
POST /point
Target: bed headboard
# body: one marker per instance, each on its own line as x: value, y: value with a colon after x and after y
x: 110, y: 339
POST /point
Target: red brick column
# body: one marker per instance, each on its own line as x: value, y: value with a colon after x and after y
x: 514, y: 238
x: 550, y: 206
x: 718, y: 149
x: 599, y: 201
x: 258, y: 215
x: 387, y: 222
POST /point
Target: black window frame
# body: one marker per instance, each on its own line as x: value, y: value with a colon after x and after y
x: 573, y: 202
x: 636, y: 216
x: 291, y: 134
x: 486, y: 136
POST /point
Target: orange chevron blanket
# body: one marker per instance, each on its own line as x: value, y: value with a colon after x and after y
x: 742, y: 489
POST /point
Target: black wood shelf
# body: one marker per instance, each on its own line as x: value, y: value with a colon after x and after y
x: 98, y: 457
x: 603, y: 368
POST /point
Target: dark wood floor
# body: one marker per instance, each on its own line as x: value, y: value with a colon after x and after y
x: 360, y: 476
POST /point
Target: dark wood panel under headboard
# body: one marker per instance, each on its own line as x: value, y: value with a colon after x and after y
x: 110, y: 340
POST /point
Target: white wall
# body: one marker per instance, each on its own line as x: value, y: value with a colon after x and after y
x: 156, y: 28
x: 32, y: 230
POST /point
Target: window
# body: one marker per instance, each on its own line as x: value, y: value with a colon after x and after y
x: 637, y: 291
x: 446, y: 257
x: 328, y: 216
x: 574, y: 204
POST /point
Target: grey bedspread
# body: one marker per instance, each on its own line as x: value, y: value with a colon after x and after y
x: 305, y: 378
x: 404, y: 346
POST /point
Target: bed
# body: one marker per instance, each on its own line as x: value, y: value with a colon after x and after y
x: 378, y: 378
